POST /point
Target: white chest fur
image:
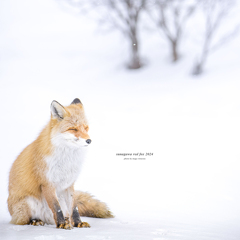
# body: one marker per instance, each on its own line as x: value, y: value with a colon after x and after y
x: 64, y: 166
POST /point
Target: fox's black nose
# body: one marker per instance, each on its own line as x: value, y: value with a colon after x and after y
x: 88, y: 141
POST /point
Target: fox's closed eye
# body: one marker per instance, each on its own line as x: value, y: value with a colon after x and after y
x: 72, y: 129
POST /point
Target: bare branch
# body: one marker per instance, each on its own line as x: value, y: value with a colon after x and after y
x: 215, y: 12
x: 226, y: 38
x: 172, y: 27
x: 126, y: 17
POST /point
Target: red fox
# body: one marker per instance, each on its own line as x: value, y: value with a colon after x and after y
x: 41, y: 180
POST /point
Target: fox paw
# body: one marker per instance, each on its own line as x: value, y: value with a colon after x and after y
x: 83, y: 224
x: 66, y: 225
x: 36, y: 222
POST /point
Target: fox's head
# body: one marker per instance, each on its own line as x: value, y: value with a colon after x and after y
x: 69, y: 126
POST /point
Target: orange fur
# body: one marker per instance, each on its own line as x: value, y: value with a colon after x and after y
x: 26, y: 174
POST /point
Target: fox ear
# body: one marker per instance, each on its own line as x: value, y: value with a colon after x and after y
x: 57, y: 110
x: 76, y: 101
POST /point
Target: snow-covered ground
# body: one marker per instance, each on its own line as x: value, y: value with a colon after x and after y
x: 188, y: 189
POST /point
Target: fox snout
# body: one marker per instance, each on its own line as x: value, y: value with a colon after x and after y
x: 88, y: 141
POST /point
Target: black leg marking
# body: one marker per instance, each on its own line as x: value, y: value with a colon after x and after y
x: 60, y: 218
x: 77, y: 220
x: 76, y: 217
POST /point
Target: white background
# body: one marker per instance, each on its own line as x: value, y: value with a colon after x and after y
x: 189, y: 188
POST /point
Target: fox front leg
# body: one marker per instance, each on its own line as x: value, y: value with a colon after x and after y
x: 68, y: 196
x: 61, y: 221
x: 52, y: 201
x: 76, y: 218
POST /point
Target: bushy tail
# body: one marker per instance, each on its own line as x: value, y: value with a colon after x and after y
x: 91, y: 207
